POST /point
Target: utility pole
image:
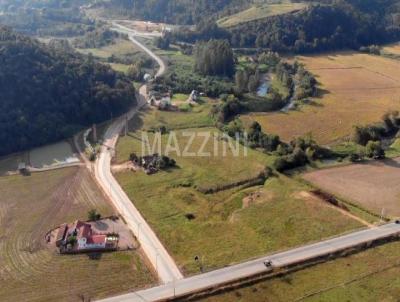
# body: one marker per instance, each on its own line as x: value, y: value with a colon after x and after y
x: 126, y: 125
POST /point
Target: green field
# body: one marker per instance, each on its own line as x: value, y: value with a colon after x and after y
x: 369, y: 276
x: 226, y: 228
x: 261, y: 9
x: 29, y: 269
x: 122, y: 48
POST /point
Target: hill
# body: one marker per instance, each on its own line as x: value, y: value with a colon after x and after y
x: 186, y: 12
x: 49, y: 94
x: 324, y: 26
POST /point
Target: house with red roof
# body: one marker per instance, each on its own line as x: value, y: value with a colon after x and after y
x: 80, y: 237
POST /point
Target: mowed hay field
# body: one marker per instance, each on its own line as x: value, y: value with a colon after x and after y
x: 355, y: 89
x: 374, y: 185
x: 369, y: 276
x: 29, y: 270
x: 261, y: 11
x: 225, y: 227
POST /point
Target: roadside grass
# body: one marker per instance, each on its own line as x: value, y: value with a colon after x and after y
x: 226, y: 229
x: 29, y: 270
x: 369, y: 276
x: 261, y: 10
x: 354, y: 89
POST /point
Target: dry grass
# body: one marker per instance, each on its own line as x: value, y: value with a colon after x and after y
x: 260, y: 10
x: 374, y: 185
x: 356, y: 89
x: 29, y: 270
x: 393, y: 49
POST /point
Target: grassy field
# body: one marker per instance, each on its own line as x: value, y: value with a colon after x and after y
x: 228, y: 226
x: 369, y: 276
x: 29, y: 270
x: 122, y: 48
x: 260, y: 10
x: 355, y: 89
x: 374, y: 185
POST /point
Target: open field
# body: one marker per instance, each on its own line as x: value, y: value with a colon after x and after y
x: 355, y: 89
x: 120, y: 48
x: 369, y: 276
x: 29, y: 270
x: 260, y: 10
x: 231, y: 225
x: 154, y: 119
x: 373, y: 185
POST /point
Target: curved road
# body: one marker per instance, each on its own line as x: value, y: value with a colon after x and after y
x: 162, y: 262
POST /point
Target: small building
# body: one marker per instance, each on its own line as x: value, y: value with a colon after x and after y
x: 23, y: 168
x: 79, y: 237
x: 147, y: 77
x: 194, y: 95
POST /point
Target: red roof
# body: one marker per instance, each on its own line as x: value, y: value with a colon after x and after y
x: 97, y: 239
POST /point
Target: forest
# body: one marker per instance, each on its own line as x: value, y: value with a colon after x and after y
x: 329, y: 25
x: 186, y: 12
x: 48, y: 94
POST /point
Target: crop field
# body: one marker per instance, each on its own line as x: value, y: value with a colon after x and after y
x: 370, y: 276
x: 260, y: 10
x: 374, y: 185
x: 355, y: 89
x: 31, y: 271
x: 231, y: 225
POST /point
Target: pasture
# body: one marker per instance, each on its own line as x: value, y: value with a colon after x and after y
x: 370, y: 276
x: 260, y: 10
x: 374, y: 185
x: 229, y: 226
x: 355, y: 89
x: 29, y: 269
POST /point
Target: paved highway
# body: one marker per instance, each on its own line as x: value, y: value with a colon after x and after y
x: 155, y: 251
x: 256, y: 267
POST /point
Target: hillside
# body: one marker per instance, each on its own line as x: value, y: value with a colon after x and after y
x: 325, y: 26
x: 172, y: 11
x: 48, y: 94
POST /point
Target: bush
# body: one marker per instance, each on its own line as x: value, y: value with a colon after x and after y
x: 374, y: 150
x: 93, y: 215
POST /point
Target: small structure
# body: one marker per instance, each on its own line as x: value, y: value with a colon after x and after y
x: 161, y: 101
x: 79, y: 237
x: 23, y: 169
x: 194, y: 96
x: 147, y: 77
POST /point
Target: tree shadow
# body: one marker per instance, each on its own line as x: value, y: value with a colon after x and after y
x: 95, y: 256
x: 100, y: 225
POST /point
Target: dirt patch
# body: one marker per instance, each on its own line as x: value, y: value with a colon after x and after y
x: 257, y: 197
x: 374, y: 185
x: 128, y: 166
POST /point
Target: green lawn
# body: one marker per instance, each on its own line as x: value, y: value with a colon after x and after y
x: 369, y: 276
